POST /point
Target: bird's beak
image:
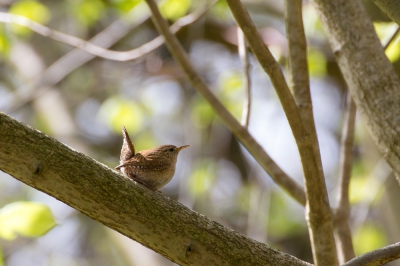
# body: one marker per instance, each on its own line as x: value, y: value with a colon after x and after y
x: 183, y: 147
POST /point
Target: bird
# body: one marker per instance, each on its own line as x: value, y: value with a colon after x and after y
x: 153, y: 168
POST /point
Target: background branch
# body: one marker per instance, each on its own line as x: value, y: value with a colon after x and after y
x: 377, y: 257
x: 98, y: 50
x: 391, y: 8
x: 150, y: 218
x: 65, y: 65
x: 342, y: 229
x: 244, y: 57
x: 318, y: 211
x: 176, y: 49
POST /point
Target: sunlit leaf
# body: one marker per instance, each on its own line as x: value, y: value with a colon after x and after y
x: 281, y: 222
x: 312, y: 24
x: 4, y: 42
x: 202, y: 178
x: 369, y: 237
x: 174, y: 9
x: 384, y: 31
x: 144, y: 141
x: 33, y: 10
x: 202, y: 113
x: 316, y: 63
x: 364, y: 189
x: 221, y: 11
x: 25, y: 218
x: 88, y: 12
x: 116, y: 112
x: 232, y: 92
x: 125, y: 5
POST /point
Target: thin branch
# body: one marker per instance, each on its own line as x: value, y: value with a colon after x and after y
x: 391, y: 8
x: 65, y: 65
x: 298, y: 66
x: 342, y: 229
x: 176, y: 49
x: 157, y: 222
x: 77, y: 57
x: 97, y: 50
x: 244, y: 56
x: 377, y: 257
x: 318, y: 211
x: 392, y: 38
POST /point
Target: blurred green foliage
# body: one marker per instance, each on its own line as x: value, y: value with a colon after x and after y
x: 385, y: 30
x: 88, y: 12
x: 316, y: 63
x: 33, y: 10
x: 26, y: 218
x: 203, y: 177
x: 368, y: 237
x: 174, y: 9
x: 116, y: 112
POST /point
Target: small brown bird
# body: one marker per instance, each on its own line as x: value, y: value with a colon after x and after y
x: 153, y: 168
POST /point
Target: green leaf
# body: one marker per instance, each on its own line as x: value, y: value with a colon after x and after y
x: 202, y: 113
x: 368, y: 237
x: 384, y: 31
x: 125, y: 5
x: 31, y: 9
x: 117, y: 112
x: 174, y: 9
x: 316, y: 63
x: 25, y: 218
x: 202, y: 178
x: 88, y: 12
x: 4, y: 42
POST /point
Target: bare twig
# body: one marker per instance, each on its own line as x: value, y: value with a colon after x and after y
x: 377, y: 257
x: 65, y: 65
x: 176, y: 49
x: 318, y: 211
x: 244, y: 56
x: 98, y: 50
x: 77, y: 57
x: 342, y: 229
x: 392, y: 38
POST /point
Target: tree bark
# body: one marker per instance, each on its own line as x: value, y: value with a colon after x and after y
x: 391, y: 8
x: 372, y: 81
x: 155, y: 221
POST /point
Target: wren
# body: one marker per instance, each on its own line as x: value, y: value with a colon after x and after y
x: 153, y: 168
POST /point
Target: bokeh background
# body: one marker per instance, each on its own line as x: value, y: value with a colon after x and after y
x: 83, y: 101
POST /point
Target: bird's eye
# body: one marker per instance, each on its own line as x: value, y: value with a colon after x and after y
x: 171, y: 149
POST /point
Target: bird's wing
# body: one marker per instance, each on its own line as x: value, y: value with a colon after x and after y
x: 137, y: 160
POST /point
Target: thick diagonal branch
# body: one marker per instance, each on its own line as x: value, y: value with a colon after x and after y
x: 155, y: 221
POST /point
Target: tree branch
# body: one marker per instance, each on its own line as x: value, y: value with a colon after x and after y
x: 377, y: 257
x: 77, y: 57
x: 98, y: 50
x: 318, y: 211
x: 342, y: 229
x: 244, y: 57
x: 372, y: 81
x: 155, y: 221
x: 176, y: 49
x: 391, y: 8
